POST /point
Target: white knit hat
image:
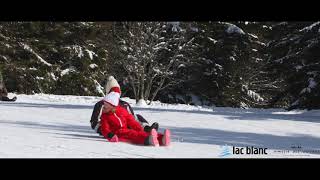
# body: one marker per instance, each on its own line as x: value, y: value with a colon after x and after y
x: 112, y: 98
x: 112, y: 84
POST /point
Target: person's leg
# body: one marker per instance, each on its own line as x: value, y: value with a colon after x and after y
x: 142, y: 119
x: 159, y: 137
x: 164, y: 139
x: 154, y: 125
x: 130, y: 135
x: 153, y: 138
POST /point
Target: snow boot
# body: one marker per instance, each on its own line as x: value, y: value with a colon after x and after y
x: 152, y: 138
x: 166, y: 137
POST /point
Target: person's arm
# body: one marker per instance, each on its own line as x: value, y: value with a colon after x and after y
x: 95, y: 117
x: 127, y: 106
x: 105, y: 129
x: 130, y: 109
x: 132, y: 123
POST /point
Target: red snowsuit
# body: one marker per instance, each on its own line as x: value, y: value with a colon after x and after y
x: 123, y: 124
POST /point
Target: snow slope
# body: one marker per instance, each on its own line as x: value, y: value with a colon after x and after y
x: 53, y: 126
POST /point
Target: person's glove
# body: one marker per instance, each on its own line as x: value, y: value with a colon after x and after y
x: 113, y: 137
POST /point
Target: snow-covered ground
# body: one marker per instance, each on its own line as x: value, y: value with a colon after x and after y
x: 52, y: 126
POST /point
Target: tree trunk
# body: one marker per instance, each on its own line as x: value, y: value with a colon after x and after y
x: 141, y: 93
x: 131, y: 80
x: 150, y: 77
x: 148, y: 87
x: 157, y: 90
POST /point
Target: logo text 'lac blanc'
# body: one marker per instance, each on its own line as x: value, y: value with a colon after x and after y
x: 243, y: 150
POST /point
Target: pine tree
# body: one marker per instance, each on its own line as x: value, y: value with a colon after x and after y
x: 295, y: 60
x: 37, y: 53
x: 218, y: 73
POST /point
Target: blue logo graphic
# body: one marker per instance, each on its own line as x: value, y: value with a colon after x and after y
x: 225, y: 151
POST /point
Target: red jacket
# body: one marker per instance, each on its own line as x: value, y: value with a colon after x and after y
x: 120, y: 119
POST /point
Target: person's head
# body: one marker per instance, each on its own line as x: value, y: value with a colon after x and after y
x: 107, y: 107
x: 112, y: 85
x: 111, y: 101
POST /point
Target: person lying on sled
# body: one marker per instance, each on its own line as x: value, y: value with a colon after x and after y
x: 113, y: 85
x: 117, y: 125
x: 4, y: 93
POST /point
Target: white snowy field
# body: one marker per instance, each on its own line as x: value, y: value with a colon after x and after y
x: 53, y: 126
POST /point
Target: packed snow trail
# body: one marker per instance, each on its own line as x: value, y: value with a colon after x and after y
x: 53, y: 126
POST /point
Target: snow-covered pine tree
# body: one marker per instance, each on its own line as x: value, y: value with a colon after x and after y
x: 295, y: 61
x: 255, y: 83
x: 222, y: 61
x: 55, y: 57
